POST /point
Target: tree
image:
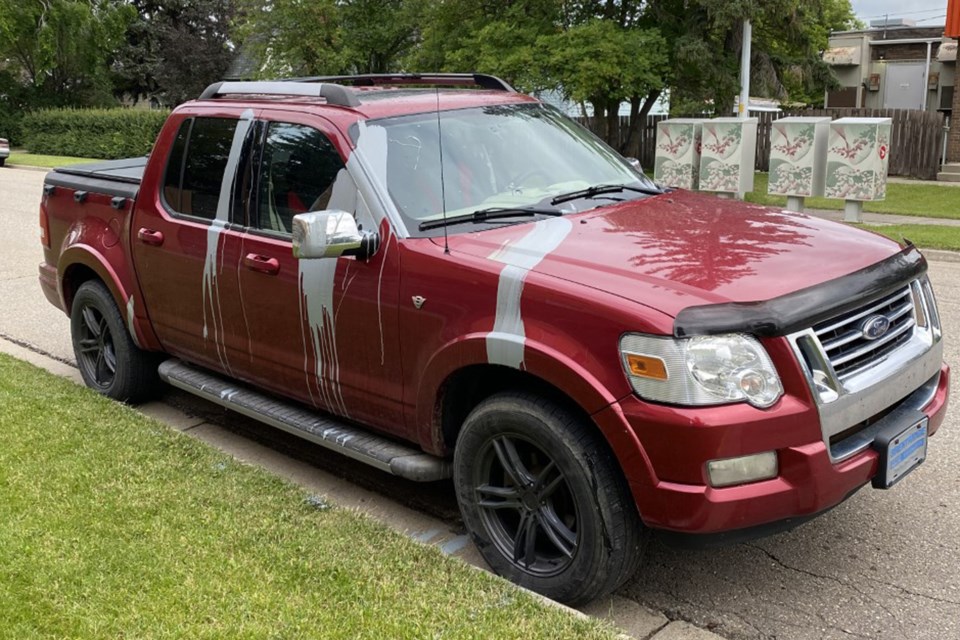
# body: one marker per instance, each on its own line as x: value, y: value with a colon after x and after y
x: 175, y: 48
x: 705, y: 44
x: 592, y: 52
x: 58, y: 51
x: 329, y: 37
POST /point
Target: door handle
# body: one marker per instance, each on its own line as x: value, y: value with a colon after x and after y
x: 261, y: 264
x: 151, y: 237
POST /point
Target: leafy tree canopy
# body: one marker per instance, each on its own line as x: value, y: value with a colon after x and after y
x: 58, y: 51
x: 175, y: 48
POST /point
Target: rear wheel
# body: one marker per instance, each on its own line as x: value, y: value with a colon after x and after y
x: 544, y: 500
x: 109, y: 361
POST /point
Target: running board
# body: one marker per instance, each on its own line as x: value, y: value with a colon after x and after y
x: 326, y: 431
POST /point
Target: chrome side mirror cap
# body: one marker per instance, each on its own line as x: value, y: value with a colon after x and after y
x: 331, y: 234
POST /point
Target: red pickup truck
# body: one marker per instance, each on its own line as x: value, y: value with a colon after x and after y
x: 444, y: 281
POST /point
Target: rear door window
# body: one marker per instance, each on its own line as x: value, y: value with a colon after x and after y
x: 197, y: 162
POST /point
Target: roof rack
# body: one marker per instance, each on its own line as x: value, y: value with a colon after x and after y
x: 334, y: 93
x: 482, y: 80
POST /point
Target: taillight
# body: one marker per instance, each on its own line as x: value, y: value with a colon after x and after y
x: 44, y: 227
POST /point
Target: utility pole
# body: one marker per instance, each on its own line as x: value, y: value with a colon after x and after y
x: 744, y: 107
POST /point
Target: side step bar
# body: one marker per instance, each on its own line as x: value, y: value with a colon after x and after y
x: 326, y: 431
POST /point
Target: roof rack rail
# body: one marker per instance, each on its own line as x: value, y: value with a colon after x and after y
x: 334, y: 93
x: 482, y: 80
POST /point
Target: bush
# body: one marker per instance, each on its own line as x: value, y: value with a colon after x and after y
x: 92, y: 133
x: 10, y: 126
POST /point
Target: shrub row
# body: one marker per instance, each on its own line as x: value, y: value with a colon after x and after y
x: 92, y: 133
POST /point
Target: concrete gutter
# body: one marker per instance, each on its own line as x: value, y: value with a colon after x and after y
x: 633, y: 620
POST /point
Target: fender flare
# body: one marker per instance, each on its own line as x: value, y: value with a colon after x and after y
x: 541, y: 361
x: 87, y: 256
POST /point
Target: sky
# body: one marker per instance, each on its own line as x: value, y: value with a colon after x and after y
x: 925, y: 12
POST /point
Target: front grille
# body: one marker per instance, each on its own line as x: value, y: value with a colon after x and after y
x: 845, y: 344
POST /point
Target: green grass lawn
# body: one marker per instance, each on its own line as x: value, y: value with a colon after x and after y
x: 929, y: 236
x: 929, y: 200
x: 112, y: 525
x: 27, y: 159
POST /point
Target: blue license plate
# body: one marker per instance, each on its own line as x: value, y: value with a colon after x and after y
x: 902, y: 454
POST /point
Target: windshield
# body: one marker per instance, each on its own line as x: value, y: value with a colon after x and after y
x: 501, y: 156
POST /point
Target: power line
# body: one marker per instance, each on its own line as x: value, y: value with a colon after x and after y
x: 901, y: 14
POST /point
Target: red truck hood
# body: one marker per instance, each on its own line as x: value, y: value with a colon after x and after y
x: 682, y: 249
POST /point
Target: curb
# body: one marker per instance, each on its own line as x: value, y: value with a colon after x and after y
x: 27, y: 167
x: 630, y: 619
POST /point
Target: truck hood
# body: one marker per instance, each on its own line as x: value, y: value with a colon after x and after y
x: 683, y: 249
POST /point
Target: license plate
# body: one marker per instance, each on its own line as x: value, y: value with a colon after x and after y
x: 900, y: 454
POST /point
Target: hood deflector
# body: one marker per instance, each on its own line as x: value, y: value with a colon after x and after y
x: 803, y: 308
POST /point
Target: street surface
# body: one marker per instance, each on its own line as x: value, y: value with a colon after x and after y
x: 885, y: 564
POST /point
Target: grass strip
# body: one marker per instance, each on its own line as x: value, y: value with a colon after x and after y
x: 921, y: 199
x: 929, y: 236
x: 26, y: 159
x: 113, y: 525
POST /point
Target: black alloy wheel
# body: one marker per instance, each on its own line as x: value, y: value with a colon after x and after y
x: 96, y: 353
x: 526, y: 505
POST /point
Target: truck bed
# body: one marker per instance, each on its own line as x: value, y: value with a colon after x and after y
x: 113, y: 177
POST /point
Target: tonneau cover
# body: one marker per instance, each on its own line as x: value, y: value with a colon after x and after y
x: 113, y: 177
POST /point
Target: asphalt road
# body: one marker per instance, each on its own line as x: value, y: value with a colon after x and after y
x: 881, y: 565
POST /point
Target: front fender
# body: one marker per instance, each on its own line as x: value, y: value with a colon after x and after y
x: 549, y: 364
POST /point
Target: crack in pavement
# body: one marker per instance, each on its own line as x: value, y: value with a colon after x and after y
x: 866, y: 596
x: 912, y: 593
x: 32, y: 347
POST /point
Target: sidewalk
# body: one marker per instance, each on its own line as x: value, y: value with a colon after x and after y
x: 883, y: 218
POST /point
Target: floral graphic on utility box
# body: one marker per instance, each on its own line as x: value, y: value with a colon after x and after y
x: 677, y: 161
x: 798, y: 156
x: 728, y: 155
x: 858, y: 158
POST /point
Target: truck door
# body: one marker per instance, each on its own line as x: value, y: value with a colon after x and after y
x: 324, y: 331
x: 186, y: 240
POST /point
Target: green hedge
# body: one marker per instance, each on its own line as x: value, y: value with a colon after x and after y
x: 92, y: 133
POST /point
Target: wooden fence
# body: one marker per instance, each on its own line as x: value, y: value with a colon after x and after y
x: 915, y: 148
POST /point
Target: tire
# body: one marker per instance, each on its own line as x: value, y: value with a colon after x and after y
x: 109, y: 361
x: 523, y: 465
x: 2, y: 161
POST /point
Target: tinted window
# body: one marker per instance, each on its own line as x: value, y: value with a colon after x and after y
x: 298, y: 168
x: 196, y: 191
x: 171, y: 182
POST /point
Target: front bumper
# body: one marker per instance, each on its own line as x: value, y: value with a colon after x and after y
x: 677, y: 443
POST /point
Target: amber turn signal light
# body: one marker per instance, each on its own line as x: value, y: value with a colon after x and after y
x: 646, y: 366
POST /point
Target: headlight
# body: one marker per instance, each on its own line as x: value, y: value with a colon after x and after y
x: 703, y: 370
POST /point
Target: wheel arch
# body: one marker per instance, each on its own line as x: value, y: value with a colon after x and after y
x: 81, y: 263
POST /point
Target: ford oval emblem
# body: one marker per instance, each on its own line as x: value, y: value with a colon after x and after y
x: 875, y: 327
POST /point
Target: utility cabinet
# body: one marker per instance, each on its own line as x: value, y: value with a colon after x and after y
x: 858, y: 158
x: 728, y: 155
x: 677, y: 161
x: 798, y: 156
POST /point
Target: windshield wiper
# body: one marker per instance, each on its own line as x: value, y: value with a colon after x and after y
x: 493, y: 213
x: 600, y: 189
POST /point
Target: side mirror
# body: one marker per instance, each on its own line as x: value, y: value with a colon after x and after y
x: 633, y: 162
x: 331, y: 234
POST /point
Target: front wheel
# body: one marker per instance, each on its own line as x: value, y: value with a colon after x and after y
x: 109, y: 361
x: 544, y: 499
